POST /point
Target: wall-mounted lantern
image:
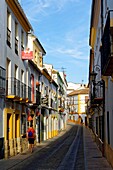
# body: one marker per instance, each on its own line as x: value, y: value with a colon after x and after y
x: 93, y: 76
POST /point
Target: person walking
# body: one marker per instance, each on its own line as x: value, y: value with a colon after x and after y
x: 31, y: 137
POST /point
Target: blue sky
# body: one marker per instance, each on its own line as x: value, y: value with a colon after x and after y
x: 62, y: 27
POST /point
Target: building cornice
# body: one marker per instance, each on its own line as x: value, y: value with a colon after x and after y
x: 95, y: 13
x: 19, y: 14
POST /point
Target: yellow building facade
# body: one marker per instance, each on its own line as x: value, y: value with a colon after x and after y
x: 76, y: 102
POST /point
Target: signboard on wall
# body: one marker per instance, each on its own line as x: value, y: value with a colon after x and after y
x: 27, y: 55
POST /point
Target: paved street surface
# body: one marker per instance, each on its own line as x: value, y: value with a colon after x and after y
x: 72, y: 149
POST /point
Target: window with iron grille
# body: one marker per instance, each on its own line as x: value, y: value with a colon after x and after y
x: 22, y: 40
x: 16, y: 38
x: 2, y: 78
x: 8, y: 28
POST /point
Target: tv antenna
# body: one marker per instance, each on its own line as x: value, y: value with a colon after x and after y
x: 62, y: 69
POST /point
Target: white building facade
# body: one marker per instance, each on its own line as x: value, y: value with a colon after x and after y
x: 101, y: 72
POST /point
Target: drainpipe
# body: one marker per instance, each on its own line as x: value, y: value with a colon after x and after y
x: 103, y: 120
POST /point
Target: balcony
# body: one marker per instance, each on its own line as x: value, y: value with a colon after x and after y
x: 12, y: 88
x: 38, y: 98
x: 37, y: 102
x: 97, y: 95
x: 28, y: 95
x: 17, y: 90
x: 22, y: 92
x: 107, y: 47
x: 53, y: 103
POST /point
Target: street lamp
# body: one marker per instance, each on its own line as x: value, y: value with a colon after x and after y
x: 93, y: 76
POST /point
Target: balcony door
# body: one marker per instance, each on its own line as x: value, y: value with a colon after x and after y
x: 9, y: 126
x: 8, y: 77
x: 32, y: 86
x: 17, y: 125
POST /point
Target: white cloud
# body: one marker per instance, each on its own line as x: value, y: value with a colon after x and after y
x: 69, y: 52
x: 64, y: 36
x: 44, y: 7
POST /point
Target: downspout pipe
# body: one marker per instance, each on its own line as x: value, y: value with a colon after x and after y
x: 103, y: 120
x: 103, y: 127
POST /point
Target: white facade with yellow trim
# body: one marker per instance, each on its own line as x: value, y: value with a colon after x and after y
x: 13, y: 28
x: 27, y: 82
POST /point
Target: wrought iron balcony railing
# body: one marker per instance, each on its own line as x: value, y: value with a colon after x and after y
x: 12, y: 87
x: 19, y: 91
x: 53, y: 103
x: 97, y: 95
x: 28, y: 93
x: 38, y: 97
x: 15, y: 89
x: 23, y: 90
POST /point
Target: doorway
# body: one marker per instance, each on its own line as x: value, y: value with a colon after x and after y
x: 16, y: 125
x: 8, y: 126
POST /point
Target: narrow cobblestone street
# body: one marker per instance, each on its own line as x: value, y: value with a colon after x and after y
x: 73, y: 149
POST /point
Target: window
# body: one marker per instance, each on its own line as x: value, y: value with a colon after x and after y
x: 40, y: 59
x: 35, y: 56
x: 23, y: 87
x: 22, y: 41
x: 42, y: 88
x: 8, y: 68
x: 16, y: 38
x: 16, y: 72
x: 22, y: 76
x: 2, y: 78
x: 8, y: 28
x: 46, y: 90
x: 8, y: 76
x: 32, y: 86
x: 101, y: 127
x: 16, y: 82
